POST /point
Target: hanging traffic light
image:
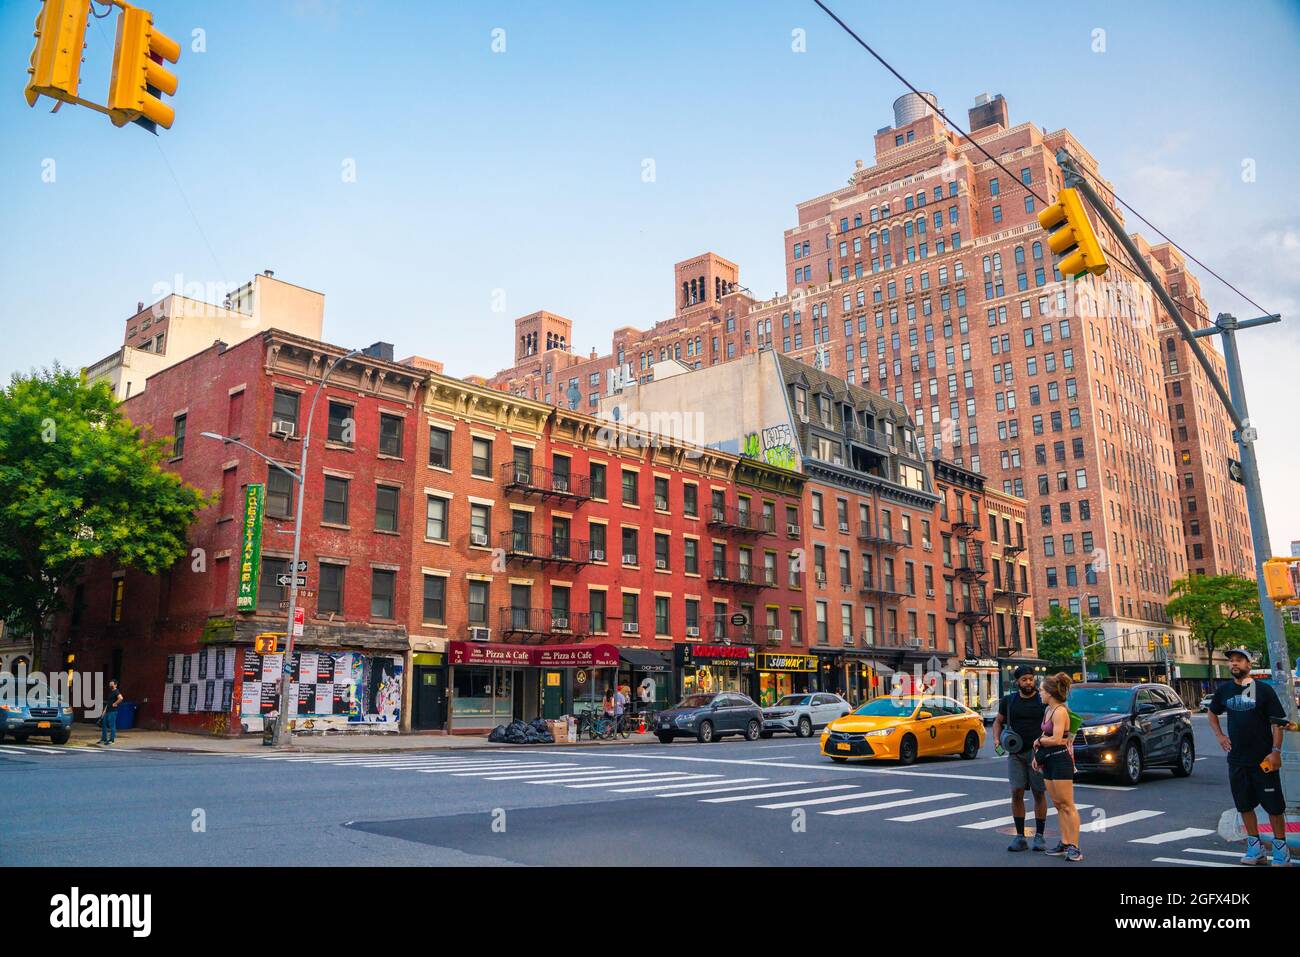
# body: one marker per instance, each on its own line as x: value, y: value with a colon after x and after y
x: 1070, y: 235
x: 56, y: 60
x: 138, y: 75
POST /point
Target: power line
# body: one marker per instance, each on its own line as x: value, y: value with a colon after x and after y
x: 1011, y: 176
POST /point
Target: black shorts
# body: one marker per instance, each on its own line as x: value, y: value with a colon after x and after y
x: 1056, y: 765
x: 1254, y: 787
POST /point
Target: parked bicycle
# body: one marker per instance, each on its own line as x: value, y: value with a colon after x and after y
x: 596, y: 726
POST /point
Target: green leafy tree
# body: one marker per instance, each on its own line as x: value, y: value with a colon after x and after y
x: 1219, y: 610
x: 78, y: 482
x: 1058, y: 635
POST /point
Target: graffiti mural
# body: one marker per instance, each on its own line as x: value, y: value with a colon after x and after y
x: 775, y: 446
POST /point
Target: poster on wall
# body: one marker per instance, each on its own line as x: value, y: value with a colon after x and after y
x: 327, y: 691
x: 201, y: 681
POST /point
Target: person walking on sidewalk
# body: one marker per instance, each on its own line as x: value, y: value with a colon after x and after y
x: 108, y: 720
x: 1054, y: 757
x: 1015, y: 729
x: 1256, y: 720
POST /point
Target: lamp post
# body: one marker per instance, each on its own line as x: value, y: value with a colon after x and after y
x: 282, y: 718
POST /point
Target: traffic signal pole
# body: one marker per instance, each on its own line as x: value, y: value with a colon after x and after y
x: 1245, y: 434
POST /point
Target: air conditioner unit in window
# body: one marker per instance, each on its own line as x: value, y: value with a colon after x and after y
x: 661, y: 503
x: 660, y: 564
x: 523, y: 477
x: 844, y: 526
x: 560, y: 624
x: 692, y: 631
x: 929, y: 593
x: 777, y: 634
x: 803, y: 417
x: 913, y: 642
x: 927, y: 545
x: 630, y: 627
x: 480, y: 634
x: 629, y: 559
x: 598, y: 554
x: 282, y: 428
x: 478, y: 538
x: 561, y: 483
x: 821, y: 578
x: 792, y: 530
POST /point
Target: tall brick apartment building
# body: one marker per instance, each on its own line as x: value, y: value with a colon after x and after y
x: 928, y: 280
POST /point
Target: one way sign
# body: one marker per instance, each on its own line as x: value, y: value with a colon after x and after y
x: 286, y: 580
x: 1235, y: 473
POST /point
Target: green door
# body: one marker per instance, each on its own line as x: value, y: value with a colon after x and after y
x: 552, y: 694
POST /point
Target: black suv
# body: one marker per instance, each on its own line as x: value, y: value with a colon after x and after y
x: 1129, y: 728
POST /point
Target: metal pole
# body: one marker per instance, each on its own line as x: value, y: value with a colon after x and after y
x: 282, y: 719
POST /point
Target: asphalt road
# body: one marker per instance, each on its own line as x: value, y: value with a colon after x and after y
x: 767, y: 802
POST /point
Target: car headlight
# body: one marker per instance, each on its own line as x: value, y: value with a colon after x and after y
x: 67, y: 711
x: 880, y: 732
x: 1100, y: 730
x: 8, y: 709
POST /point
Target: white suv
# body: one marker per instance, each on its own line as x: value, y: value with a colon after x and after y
x: 801, y: 714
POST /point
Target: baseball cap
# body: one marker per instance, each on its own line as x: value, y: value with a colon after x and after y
x: 1244, y: 652
x: 1021, y: 671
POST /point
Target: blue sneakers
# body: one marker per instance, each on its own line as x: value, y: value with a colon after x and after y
x: 1281, y: 854
x: 1254, y: 852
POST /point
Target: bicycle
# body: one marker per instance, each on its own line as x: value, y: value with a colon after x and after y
x: 596, y: 726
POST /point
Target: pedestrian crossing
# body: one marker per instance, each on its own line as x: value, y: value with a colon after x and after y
x: 767, y: 789
x: 14, y: 749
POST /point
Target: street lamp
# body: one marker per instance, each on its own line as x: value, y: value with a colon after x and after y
x: 282, y: 718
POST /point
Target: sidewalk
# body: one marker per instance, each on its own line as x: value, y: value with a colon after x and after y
x: 85, y: 734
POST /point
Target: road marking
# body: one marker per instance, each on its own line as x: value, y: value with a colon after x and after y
x: 888, y: 804
x: 38, y: 748
x: 687, y: 784
x: 1006, y: 821
x: 941, y: 812
x: 1206, y: 850
x: 624, y: 778
x: 779, y: 794
x: 10, y: 750
x: 1186, y: 834
x: 738, y: 787
x: 677, y: 777
x: 834, y: 798
x: 522, y: 773
x: 564, y: 777
x: 1193, y: 863
x: 468, y: 767
x: 1103, y: 824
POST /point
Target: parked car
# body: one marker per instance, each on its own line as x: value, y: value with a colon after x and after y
x: 1131, y: 728
x: 801, y: 714
x: 31, y: 711
x: 990, y: 711
x: 710, y: 717
x: 904, y: 728
x: 1205, y: 702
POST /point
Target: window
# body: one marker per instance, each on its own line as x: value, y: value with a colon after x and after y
x: 341, y: 427
x: 480, y: 525
x: 386, y: 508
x: 279, y: 493
x: 439, y: 447
x: 119, y: 593
x: 630, y: 555
x: 596, y: 606
x: 435, y: 600
x: 478, y: 602
x: 597, y: 475
x: 661, y: 615
x: 335, y: 507
x: 661, y: 551
x: 390, y: 434
x: 596, y: 532
x: 329, y: 595
x: 269, y: 593
x: 631, y: 612
x: 178, y: 436
x: 480, y: 462
x: 436, y: 519
x: 285, y: 408
x: 630, y: 487
x: 661, y: 493
x: 691, y: 500
x: 691, y: 556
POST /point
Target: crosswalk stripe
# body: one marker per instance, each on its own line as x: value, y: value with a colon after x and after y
x: 945, y: 811
x: 778, y: 794
x: 453, y: 768
x: 737, y: 787
x: 685, y: 784
x: 833, y: 799
x: 603, y: 784
x: 10, y: 750
x: 564, y: 777
x: 516, y: 772
x: 888, y: 804
x: 1193, y: 863
x: 1007, y: 821
x: 557, y: 770
x: 36, y: 747
x: 1206, y: 850
x: 1186, y: 834
x: 623, y: 778
x: 447, y: 764
x: 1104, y: 824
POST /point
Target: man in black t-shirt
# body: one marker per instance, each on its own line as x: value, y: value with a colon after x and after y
x: 108, y: 720
x: 1256, y: 720
x: 1022, y: 712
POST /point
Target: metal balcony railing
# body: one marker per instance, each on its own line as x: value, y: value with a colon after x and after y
x: 545, y: 622
x: 738, y: 573
x: 883, y: 587
x: 529, y: 547
x: 745, y: 520
x: 874, y: 536
x: 542, y: 481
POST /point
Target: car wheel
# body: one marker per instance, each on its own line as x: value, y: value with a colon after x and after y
x: 971, y: 750
x: 20, y: 739
x: 705, y: 734
x: 765, y: 734
x: 753, y: 730
x: 1130, y: 769
x: 665, y: 738
x: 805, y: 728
x: 907, y: 750
x: 1186, y: 758
x: 60, y: 737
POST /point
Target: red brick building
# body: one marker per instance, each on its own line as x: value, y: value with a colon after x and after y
x: 176, y: 640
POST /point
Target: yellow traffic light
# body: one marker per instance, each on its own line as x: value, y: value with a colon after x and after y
x: 1277, y: 580
x: 56, y: 60
x: 1151, y: 644
x: 1070, y: 235
x: 266, y: 643
x: 138, y: 74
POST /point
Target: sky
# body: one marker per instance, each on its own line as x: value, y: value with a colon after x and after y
x: 438, y: 169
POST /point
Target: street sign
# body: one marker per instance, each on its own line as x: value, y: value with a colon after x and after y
x: 739, y: 620
x: 302, y: 593
x: 302, y: 565
x: 1235, y: 473
x: 287, y: 580
x: 299, y: 616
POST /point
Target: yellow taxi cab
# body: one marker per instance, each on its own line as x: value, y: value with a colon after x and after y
x: 904, y: 727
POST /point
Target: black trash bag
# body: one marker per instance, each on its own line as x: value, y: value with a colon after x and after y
x: 498, y: 734
x: 540, y: 725
x: 546, y: 737
x: 532, y: 736
x: 516, y: 732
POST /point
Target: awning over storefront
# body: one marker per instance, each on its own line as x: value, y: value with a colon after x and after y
x: 690, y: 655
x: 882, y: 670
x: 646, y: 659
x: 538, y: 656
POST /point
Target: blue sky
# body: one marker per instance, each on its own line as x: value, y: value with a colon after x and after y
x: 521, y: 171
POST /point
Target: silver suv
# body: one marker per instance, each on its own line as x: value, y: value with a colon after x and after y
x: 801, y: 714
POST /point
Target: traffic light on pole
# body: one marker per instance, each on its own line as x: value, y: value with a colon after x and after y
x: 138, y: 75
x: 1070, y: 235
x: 1277, y: 581
x: 56, y: 60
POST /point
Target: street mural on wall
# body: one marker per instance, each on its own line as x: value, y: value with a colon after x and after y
x: 774, y: 445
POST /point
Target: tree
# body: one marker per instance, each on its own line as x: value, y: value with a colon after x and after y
x: 1058, y: 635
x: 1220, y: 611
x: 78, y: 482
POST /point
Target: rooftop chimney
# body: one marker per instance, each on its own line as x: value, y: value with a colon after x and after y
x: 268, y: 273
x: 379, y: 350
x: 989, y: 111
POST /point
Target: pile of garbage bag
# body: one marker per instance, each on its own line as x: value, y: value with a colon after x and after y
x: 517, y: 732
